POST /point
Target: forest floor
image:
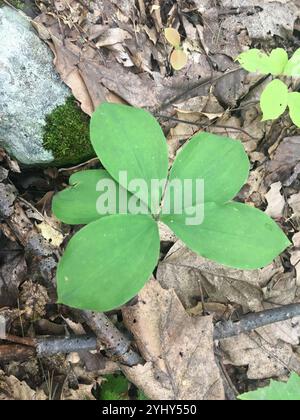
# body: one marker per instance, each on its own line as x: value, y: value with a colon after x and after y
x: 115, y: 50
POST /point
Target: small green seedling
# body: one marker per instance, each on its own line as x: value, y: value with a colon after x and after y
x: 107, y: 262
x: 116, y: 387
x: 276, y: 391
x: 178, y: 58
x: 276, y: 97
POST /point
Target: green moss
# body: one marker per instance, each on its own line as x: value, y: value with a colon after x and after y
x: 18, y: 4
x: 66, y: 134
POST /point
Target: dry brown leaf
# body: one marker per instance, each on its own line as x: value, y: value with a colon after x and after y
x: 295, y: 256
x: 178, y: 348
x: 50, y: 233
x: 83, y: 393
x: 284, y: 160
x: 112, y: 36
x: 13, y: 270
x: 294, y: 203
x: 265, y: 356
x: 13, y: 389
x: 275, y: 201
x: 186, y: 272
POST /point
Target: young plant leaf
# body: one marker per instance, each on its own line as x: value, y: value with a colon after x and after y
x: 277, y: 60
x: 77, y: 205
x: 173, y: 37
x: 232, y: 234
x: 256, y: 61
x: 114, y: 388
x: 178, y: 59
x: 130, y: 139
x: 221, y: 162
x: 274, y: 100
x: 108, y: 262
x: 293, y: 66
x: 276, y: 391
x: 294, y: 107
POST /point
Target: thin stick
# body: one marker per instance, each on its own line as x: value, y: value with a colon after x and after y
x: 116, y: 344
x: 55, y: 345
x: 204, y: 125
x: 203, y: 83
x: 250, y: 322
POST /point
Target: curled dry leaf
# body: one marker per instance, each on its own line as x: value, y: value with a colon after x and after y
x: 178, y: 349
x: 275, y: 201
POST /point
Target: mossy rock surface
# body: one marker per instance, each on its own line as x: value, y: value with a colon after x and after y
x: 40, y: 123
x: 66, y: 134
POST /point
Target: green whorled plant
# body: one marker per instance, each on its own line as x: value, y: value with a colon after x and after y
x: 276, y: 391
x: 107, y: 262
x: 276, y: 97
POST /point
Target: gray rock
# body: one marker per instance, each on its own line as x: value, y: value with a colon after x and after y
x: 29, y: 89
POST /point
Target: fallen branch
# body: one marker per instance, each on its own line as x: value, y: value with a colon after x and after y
x: 251, y: 322
x: 119, y: 347
x: 15, y: 352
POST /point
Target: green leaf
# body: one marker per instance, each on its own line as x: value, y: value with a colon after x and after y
x: 221, y: 162
x: 257, y: 61
x: 108, y: 262
x: 276, y: 391
x: 130, y: 139
x: 77, y: 205
x: 141, y: 396
x: 253, y: 61
x: 274, y: 100
x: 278, y: 59
x: 293, y: 66
x: 294, y: 107
x: 114, y: 388
x: 232, y: 234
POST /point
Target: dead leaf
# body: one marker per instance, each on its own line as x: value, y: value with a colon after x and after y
x: 284, y: 160
x: 178, y: 349
x: 83, y: 393
x: 13, y: 389
x: 51, y: 234
x: 276, y: 202
x: 264, y: 358
x: 13, y: 270
x: 294, y: 203
x: 185, y: 272
x: 295, y: 256
x: 112, y: 36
